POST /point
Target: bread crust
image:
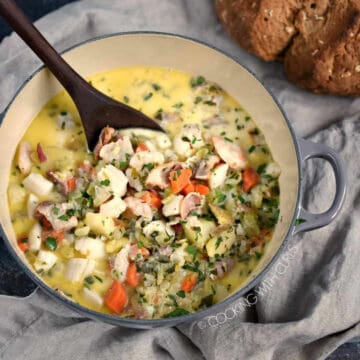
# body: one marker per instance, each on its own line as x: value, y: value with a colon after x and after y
x: 325, y: 55
x: 263, y: 27
x: 319, y: 40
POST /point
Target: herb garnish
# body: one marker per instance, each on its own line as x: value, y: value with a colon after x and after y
x: 51, y: 243
x: 197, y: 81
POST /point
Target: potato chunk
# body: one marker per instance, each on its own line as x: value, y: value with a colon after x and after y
x: 99, y: 223
x: 220, y: 243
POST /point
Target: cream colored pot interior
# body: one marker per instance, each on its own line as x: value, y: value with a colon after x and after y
x: 166, y: 51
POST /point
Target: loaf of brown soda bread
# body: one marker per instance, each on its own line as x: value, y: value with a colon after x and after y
x: 319, y: 40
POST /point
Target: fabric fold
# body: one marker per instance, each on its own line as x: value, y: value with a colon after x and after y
x: 303, y: 312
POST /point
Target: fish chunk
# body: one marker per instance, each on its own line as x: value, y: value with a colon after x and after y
x: 104, y: 138
x: 117, y: 151
x: 56, y: 215
x: 190, y: 202
x: 204, y: 167
x: 230, y: 152
x: 24, y: 159
x: 159, y: 176
x: 138, y: 207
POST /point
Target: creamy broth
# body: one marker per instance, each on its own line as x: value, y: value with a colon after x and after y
x: 182, y: 103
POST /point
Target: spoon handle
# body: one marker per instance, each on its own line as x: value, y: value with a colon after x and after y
x: 20, y: 23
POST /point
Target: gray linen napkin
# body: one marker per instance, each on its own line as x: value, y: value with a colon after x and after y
x: 306, y: 306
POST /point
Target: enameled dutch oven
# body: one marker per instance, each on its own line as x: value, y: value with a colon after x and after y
x: 185, y: 54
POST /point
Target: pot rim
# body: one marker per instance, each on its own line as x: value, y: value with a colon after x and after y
x: 198, y: 315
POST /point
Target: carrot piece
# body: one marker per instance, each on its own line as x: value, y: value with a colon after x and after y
x: 141, y: 147
x: 152, y: 199
x: 250, y: 178
x: 144, y: 252
x: 132, y: 276
x: 188, y: 188
x: 202, y: 189
x: 179, y: 179
x: 156, y: 299
x: 189, y: 282
x: 23, y: 243
x: 193, y: 186
x: 71, y: 183
x: 116, y: 298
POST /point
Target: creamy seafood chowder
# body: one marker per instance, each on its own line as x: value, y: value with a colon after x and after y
x: 149, y: 225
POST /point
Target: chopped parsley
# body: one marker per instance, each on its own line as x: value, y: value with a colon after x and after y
x: 218, y: 242
x: 105, y: 182
x: 156, y: 87
x: 158, y: 113
x: 177, y: 312
x: 181, y: 293
x: 98, y: 278
x: 123, y: 164
x: 51, y: 243
x: 192, y: 250
x: 207, y: 301
x: 63, y: 217
x: 89, y: 280
x: 197, y: 81
x: 178, y: 105
x: 299, y: 221
x: 149, y: 166
x: 261, y: 168
x: 197, y: 100
x: 242, y: 200
x: 148, y: 96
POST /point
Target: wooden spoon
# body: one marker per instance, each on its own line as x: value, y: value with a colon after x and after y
x: 96, y: 109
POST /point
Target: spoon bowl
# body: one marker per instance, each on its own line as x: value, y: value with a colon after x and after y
x: 96, y: 109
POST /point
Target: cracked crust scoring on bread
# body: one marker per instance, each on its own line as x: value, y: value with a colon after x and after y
x: 318, y: 39
x: 325, y: 54
x: 263, y: 27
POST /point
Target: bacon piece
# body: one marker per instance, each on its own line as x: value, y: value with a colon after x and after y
x: 224, y: 266
x: 104, y: 138
x: 204, y: 167
x: 56, y: 215
x: 159, y: 176
x: 190, y: 202
x: 24, y: 159
x: 60, y: 182
x: 138, y: 207
x: 40, y: 153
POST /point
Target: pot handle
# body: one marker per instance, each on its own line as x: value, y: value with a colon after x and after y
x: 307, y: 220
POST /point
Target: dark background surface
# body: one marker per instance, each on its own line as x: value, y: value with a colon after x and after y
x: 34, y: 9
x: 12, y: 280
